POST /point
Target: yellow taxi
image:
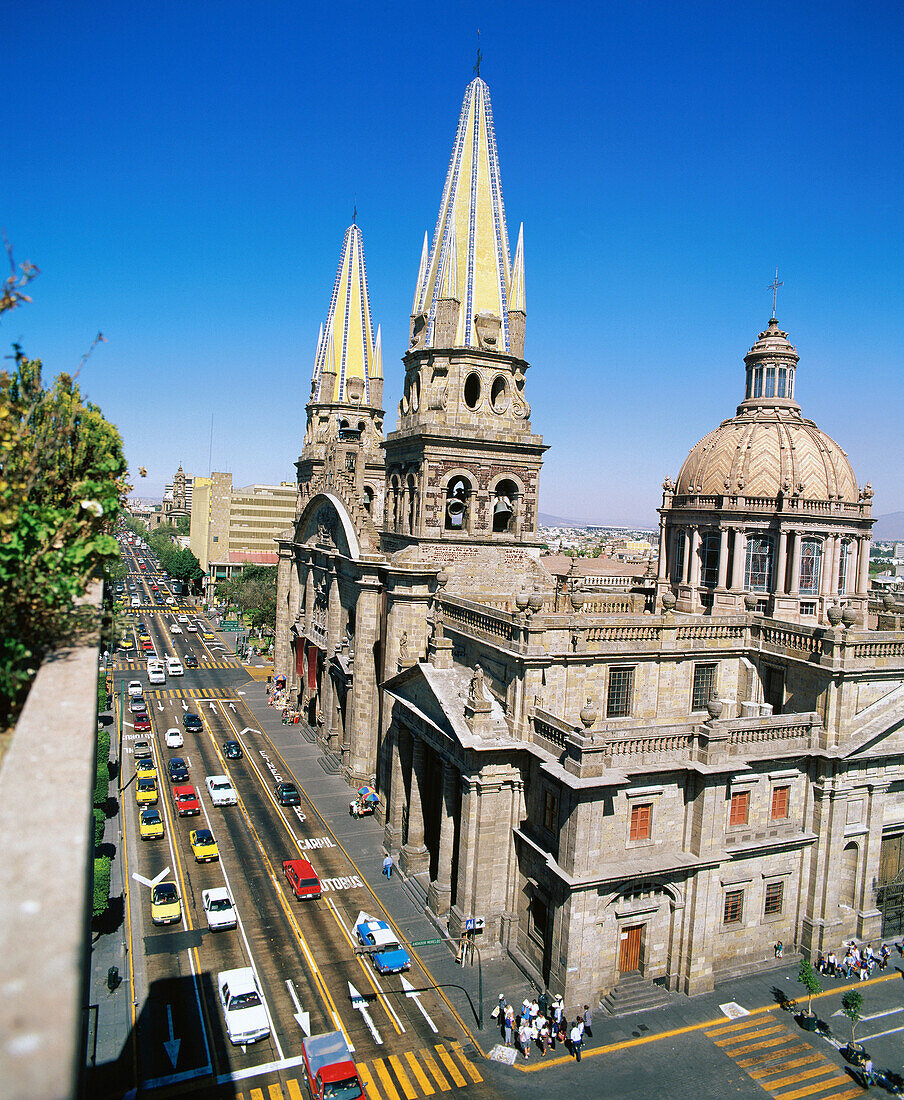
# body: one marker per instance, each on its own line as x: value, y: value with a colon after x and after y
x: 144, y: 637
x: 203, y: 845
x: 146, y: 791
x: 145, y: 769
x: 207, y: 636
x: 126, y: 643
x: 165, y: 905
x: 150, y: 824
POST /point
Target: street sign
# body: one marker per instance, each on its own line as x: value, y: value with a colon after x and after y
x: 425, y: 943
x: 474, y: 924
x: 230, y: 624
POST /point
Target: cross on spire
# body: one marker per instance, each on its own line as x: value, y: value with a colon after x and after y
x: 773, y: 286
x: 479, y: 54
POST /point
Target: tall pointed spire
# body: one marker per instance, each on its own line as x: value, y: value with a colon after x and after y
x: 516, y: 286
x: 346, y: 347
x: 471, y: 228
x: 421, y: 274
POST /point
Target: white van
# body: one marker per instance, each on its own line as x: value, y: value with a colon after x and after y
x: 174, y: 666
x: 136, y: 601
x: 156, y: 672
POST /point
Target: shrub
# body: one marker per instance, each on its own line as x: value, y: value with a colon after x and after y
x: 100, y: 820
x: 103, y: 767
x: 806, y: 975
x: 101, y: 884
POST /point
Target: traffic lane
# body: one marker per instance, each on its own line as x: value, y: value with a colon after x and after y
x: 274, y: 941
x: 345, y: 895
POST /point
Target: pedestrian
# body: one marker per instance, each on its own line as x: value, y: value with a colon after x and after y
x: 544, y: 1035
x: 544, y: 1002
x: 387, y: 866
x: 524, y: 1037
x: 534, y: 1011
x: 577, y: 1039
x: 509, y: 1025
x: 883, y: 956
x: 832, y: 964
x: 588, y: 1021
x: 779, y: 950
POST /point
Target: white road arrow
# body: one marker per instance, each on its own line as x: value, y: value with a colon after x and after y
x: 151, y: 882
x: 360, y: 1004
x: 232, y: 707
x: 411, y: 992
x: 302, y: 1018
x: 160, y: 706
x: 212, y: 706
x: 184, y: 705
x: 171, y: 1046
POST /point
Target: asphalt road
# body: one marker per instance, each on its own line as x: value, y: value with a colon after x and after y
x: 312, y: 974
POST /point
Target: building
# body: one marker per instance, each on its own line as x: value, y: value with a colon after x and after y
x: 653, y: 792
x: 177, y: 496
x: 232, y: 527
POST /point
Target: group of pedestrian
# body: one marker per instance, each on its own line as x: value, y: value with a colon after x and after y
x: 856, y: 962
x: 542, y: 1022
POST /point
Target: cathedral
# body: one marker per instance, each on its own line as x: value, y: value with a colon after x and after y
x: 622, y: 792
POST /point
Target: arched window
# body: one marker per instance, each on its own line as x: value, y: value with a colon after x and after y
x: 810, y: 561
x: 844, y: 557
x: 709, y: 559
x: 504, y: 506
x: 394, y: 492
x: 847, y: 886
x: 458, y: 497
x: 758, y: 574
x: 678, y: 556
x: 411, y: 490
x: 368, y: 500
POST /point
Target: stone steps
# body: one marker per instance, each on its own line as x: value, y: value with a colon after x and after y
x: 634, y: 993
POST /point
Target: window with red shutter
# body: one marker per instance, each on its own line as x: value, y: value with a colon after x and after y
x: 641, y: 821
x: 780, y: 799
x: 740, y: 805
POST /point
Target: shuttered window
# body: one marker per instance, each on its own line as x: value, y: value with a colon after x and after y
x: 641, y: 821
x: 780, y: 799
x: 740, y: 806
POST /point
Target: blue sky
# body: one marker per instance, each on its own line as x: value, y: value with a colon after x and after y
x: 183, y: 174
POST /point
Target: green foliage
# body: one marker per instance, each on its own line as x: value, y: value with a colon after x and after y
x: 62, y: 484
x: 102, y: 784
x: 103, y: 700
x: 99, y: 823
x: 179, y: 562
x: 253, y: 592
x: 806, y: 975
x: 851, y: 1006
x: 101, y: 885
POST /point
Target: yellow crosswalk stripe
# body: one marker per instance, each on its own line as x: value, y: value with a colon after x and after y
x: 463, y: 1058
x: 740, y: 1025
x: 771, y: 1056
x: 422, y: 1079
x: 383, y: 1074
x: 402, y: 1076
x: 257, y: 1094
x: 275, y: 1092
x: 294, y: 1090
x: 802, y: 1075
x: 809, y: 1090
x: 369, y: 1084
x: 765, y: 1045
x: 760, y: 1033
x: 435, y: 1070
x: 780, y: 1067
x: 452, y: 1068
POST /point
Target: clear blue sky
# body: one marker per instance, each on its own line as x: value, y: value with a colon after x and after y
x: 183, y: 173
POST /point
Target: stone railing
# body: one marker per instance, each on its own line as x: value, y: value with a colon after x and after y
x: 727, y: 630
x: 648, y: 748
x: 891, y: 645
x: 625, y: 632
x: 795, y: 730
x: 774, y: 504
x: 787, y: 636
x: 548, y: 728
x: 477, y: 616
x: 45, y: 872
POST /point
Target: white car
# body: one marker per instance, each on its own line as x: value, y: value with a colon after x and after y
x: 170, y: 601
x: 243, y: 1006
x: 183, y: 619
x: 218, y: 909
x: 191, y: 628
x: 221, y: 791
x: 156, y: 674
x: 174, y: 738
x: 174, y: 666
x: 135, y: 689
x: 175, y: 629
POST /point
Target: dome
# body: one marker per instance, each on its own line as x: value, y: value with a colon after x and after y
x: 766, y: 451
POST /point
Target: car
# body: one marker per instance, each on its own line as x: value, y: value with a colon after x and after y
x: 182, y: 619
x: 148, y: 646
x: 146, y: 791
x: 186, y: 800
x: 141, y: 748
x: 302, y: 878
x: 192, y: 722
x: 126, y: 643
x: 175, y: 629
x: 165, y: 905
x: 143, y: 628
x: 135, y: 601
x: 155, y: 588
x: 174, y: 666
x: 173, y: 738
x: 232, y: 750
x: 169, y: 601
x: 137, y: 705
x: 243, y: 1006
x: 204, y: 847
x: 135, y: 689
x: 218, y: 909
x: 144, y: 637
x: 150, y: 824
x: 178, y: 771
x: 389, y: 957
x: 156, y: 674
x: 208, y: 637
x: 145, y: 767
x: 190, y: 660
x: 191, y: 628
x: 142, y: 723
x: 158, y: 599
x: 221, y: 791
x: 287, y: 794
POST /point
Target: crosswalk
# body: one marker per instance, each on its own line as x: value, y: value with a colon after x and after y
x: 196, y: 695
x: 413, y: 1074
x: 781, y: 1062
x: 139, y: 666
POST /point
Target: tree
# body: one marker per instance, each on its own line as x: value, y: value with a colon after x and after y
x: 253, y: 592
x: 62, y: 485
x: 851, y: 1006
x: 806, y: 975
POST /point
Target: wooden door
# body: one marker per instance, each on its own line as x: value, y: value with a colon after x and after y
x: 629, y: 954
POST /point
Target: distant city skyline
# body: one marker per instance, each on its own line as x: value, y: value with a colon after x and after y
x: 184, y: 184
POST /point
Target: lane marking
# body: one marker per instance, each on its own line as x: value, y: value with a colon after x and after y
x: 446, y: 1059
x: 368, y: 1081
x: 436, y: 1071
x: 374, y: 982
x: 404, y: 1080
x: 470, y: 1069
x: 422, y: 1079
x: 388, y: 1087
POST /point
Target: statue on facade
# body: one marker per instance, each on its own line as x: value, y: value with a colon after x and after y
x: 476, y: 691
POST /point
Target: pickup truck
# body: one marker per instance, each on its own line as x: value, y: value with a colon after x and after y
x: 329, y: 1067
x: 302, y: 878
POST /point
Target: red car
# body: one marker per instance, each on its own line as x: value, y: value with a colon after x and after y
x: 142, y: 723
x: 302, y: 878
x: 187, y: 804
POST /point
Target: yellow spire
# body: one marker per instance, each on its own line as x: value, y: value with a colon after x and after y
x: 516, y: 285
x: 346, y: 346
x: 470, y: 250
x: 376, y: 370
x: 421, y: 274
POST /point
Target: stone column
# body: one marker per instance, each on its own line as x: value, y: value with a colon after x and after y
x: 392, y: 830
x: 283, y: 664
x: 795, y: 566
x: 662, y: 553
x: 826, y: 582
x: 781, y: 568
x: 740, y: 556
x: 695, y: 558
x: 439, y: 895
x: 363, y: 711
x: 862, y: 566
x: 415, y: 857
x: 686, y: 564
x: 723, y: 557
x: 308, y: 599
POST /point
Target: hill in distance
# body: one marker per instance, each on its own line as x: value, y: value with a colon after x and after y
x: 889, y: 527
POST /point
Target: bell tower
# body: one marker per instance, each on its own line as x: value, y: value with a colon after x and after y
x: 462, y: 469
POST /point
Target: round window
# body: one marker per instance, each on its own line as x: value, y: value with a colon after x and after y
x: 472, y: 390
x: 499, y: 394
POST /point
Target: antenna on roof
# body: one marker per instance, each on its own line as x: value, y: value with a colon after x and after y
x: 479, y: 54
x: 355, y: 211
x: 773, y: 286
